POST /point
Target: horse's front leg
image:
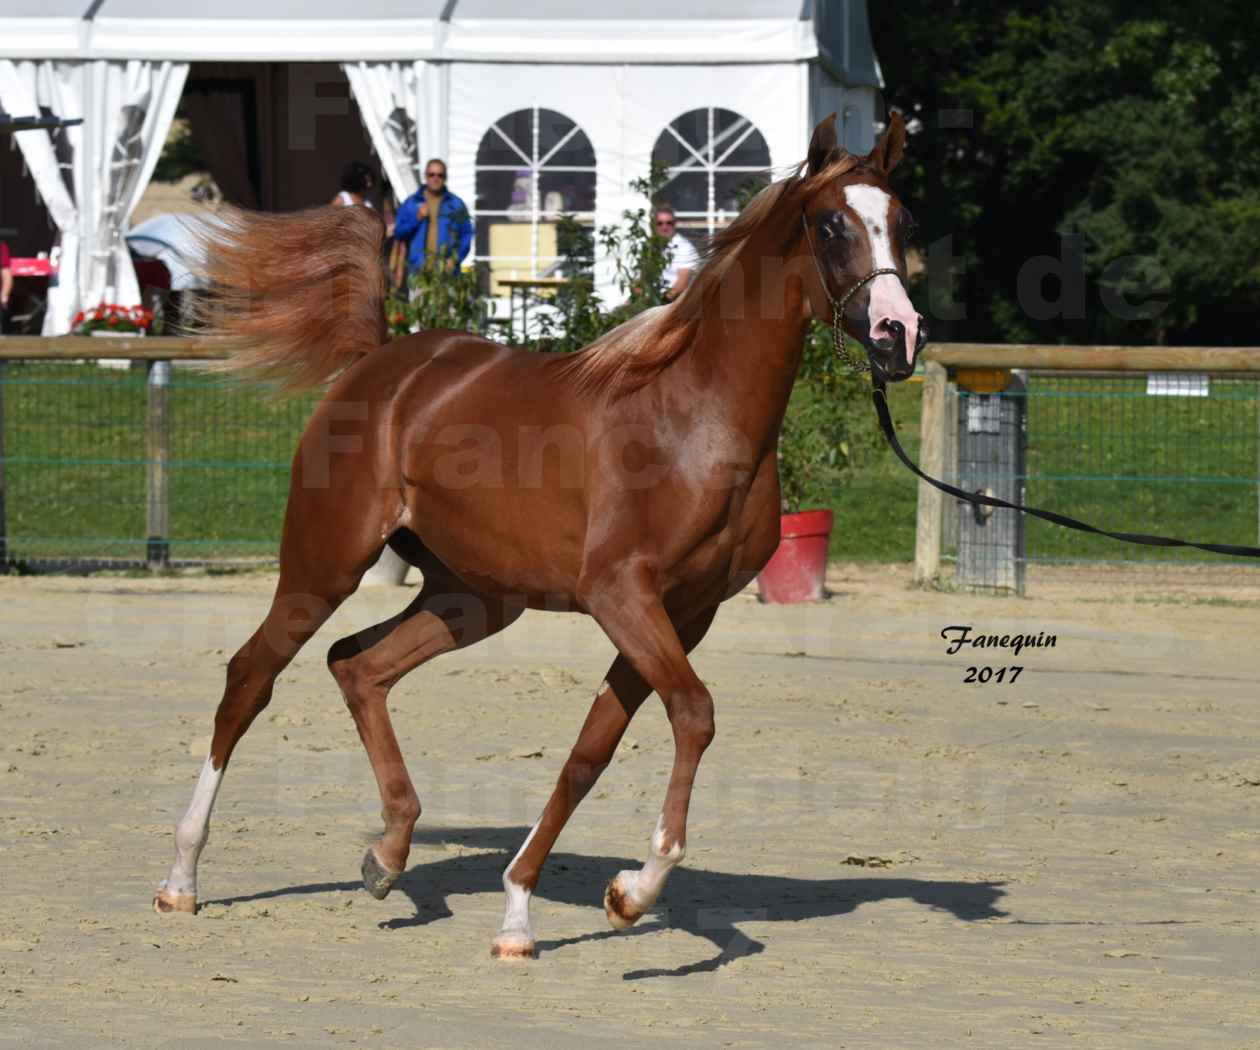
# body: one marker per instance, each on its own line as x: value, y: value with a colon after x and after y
x: 623, y: 692
x: 637, y: 623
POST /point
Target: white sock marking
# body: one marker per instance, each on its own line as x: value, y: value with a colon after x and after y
x: 644, y: 886
x: 192, y: 832
x: 516, y: 910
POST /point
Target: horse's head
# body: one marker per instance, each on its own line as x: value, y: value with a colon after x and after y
x: 857, y: 232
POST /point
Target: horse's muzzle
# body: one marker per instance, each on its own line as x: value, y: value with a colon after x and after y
x: 889, y: 357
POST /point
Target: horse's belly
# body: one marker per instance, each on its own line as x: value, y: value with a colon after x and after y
x: 507, y: 548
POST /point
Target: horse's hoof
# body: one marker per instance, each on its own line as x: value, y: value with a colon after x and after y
x: 620, y: 909
x: 513, y: 947
x: 166, y: 903
x: 377, y: 879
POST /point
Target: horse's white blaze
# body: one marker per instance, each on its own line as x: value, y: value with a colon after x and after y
x: 888, y: 299
x: 192, y: 831
x: 516, y: 911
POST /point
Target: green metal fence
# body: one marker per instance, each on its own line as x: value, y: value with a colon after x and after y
x: 1176, y: 455
x: 156, y: 463
x: 1169, y: 452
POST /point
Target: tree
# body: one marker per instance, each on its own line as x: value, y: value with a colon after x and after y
x: 1121, y: 139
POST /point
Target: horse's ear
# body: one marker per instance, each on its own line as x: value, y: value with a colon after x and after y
x: 891, y: 145
x: 823, y: 147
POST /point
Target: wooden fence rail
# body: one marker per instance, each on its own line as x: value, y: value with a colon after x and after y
x: 87, y: 348
x: 1096, y: 358
x: 951, y: 355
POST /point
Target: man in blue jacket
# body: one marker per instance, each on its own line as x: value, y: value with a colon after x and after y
x: 447, y: 239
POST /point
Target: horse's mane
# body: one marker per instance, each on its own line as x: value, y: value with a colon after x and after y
x: 636, y: 352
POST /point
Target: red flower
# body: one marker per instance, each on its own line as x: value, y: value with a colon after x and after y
x: 112, y: 321
x: 78, y: 318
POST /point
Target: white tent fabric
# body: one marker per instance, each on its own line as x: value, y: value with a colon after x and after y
x: 127, y: 109
x: 623, y: 110
x: 432, y: 76
x: 689, y: 31
x: 29, y: 88
x: 390, y: 102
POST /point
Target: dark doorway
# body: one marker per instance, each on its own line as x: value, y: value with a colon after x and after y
x: 274, y: 135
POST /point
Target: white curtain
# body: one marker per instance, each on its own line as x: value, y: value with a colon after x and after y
x: 127, y: 109
x: 29, y: 89
x: 405, y: 108
x: 388, y: 96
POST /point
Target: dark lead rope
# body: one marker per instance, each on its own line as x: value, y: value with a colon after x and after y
x: 886, y: 424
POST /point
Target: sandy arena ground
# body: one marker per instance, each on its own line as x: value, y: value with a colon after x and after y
x: 880, y: 855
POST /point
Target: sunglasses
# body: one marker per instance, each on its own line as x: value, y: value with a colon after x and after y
x: 665, y: 222
x: 435, y: 175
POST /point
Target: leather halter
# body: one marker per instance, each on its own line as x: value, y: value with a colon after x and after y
x: 838, y: 308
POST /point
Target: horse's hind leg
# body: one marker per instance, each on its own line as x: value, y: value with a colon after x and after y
x: 297, y: 611
x: 444, y: 616
x: 321, y: 561
x: 623, y: 693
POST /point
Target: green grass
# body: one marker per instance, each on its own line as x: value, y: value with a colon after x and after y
x: 1103, y: 451
x: 875, y: 506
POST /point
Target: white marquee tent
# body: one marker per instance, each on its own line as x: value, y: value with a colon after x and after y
x: 552, y: 111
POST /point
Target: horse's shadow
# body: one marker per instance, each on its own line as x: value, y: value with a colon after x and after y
x: 707, y: 904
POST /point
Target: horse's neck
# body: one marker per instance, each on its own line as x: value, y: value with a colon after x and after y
x: 755, y: 352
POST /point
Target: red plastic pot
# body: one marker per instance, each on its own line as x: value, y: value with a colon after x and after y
x: 796, y: 571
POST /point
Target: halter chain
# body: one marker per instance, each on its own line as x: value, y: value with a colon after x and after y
x: 838, y: 308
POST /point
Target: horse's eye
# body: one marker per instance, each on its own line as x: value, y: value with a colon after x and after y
x: 830, y: 227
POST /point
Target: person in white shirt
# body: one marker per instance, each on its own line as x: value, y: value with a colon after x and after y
x: 683, y: 257
x: 357, y: 181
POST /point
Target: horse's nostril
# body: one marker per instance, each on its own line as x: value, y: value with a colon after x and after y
x: 898, y: 330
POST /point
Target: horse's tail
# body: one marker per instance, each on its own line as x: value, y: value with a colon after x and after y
x: 300, y: 295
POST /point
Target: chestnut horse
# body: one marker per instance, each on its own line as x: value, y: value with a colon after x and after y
x: 635, y: 481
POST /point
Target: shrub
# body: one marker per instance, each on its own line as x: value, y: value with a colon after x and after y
x: 438, y: 297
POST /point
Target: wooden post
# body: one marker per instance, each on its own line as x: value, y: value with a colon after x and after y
x: 158, y: 453
x: 927, y: 543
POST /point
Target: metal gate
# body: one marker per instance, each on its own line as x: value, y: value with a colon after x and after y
x: 992, y: 440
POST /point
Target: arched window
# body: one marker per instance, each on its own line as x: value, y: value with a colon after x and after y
x: 710, y: 154
x: 533, y: 166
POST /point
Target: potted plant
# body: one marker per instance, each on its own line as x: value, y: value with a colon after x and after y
x: 823, y: 426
